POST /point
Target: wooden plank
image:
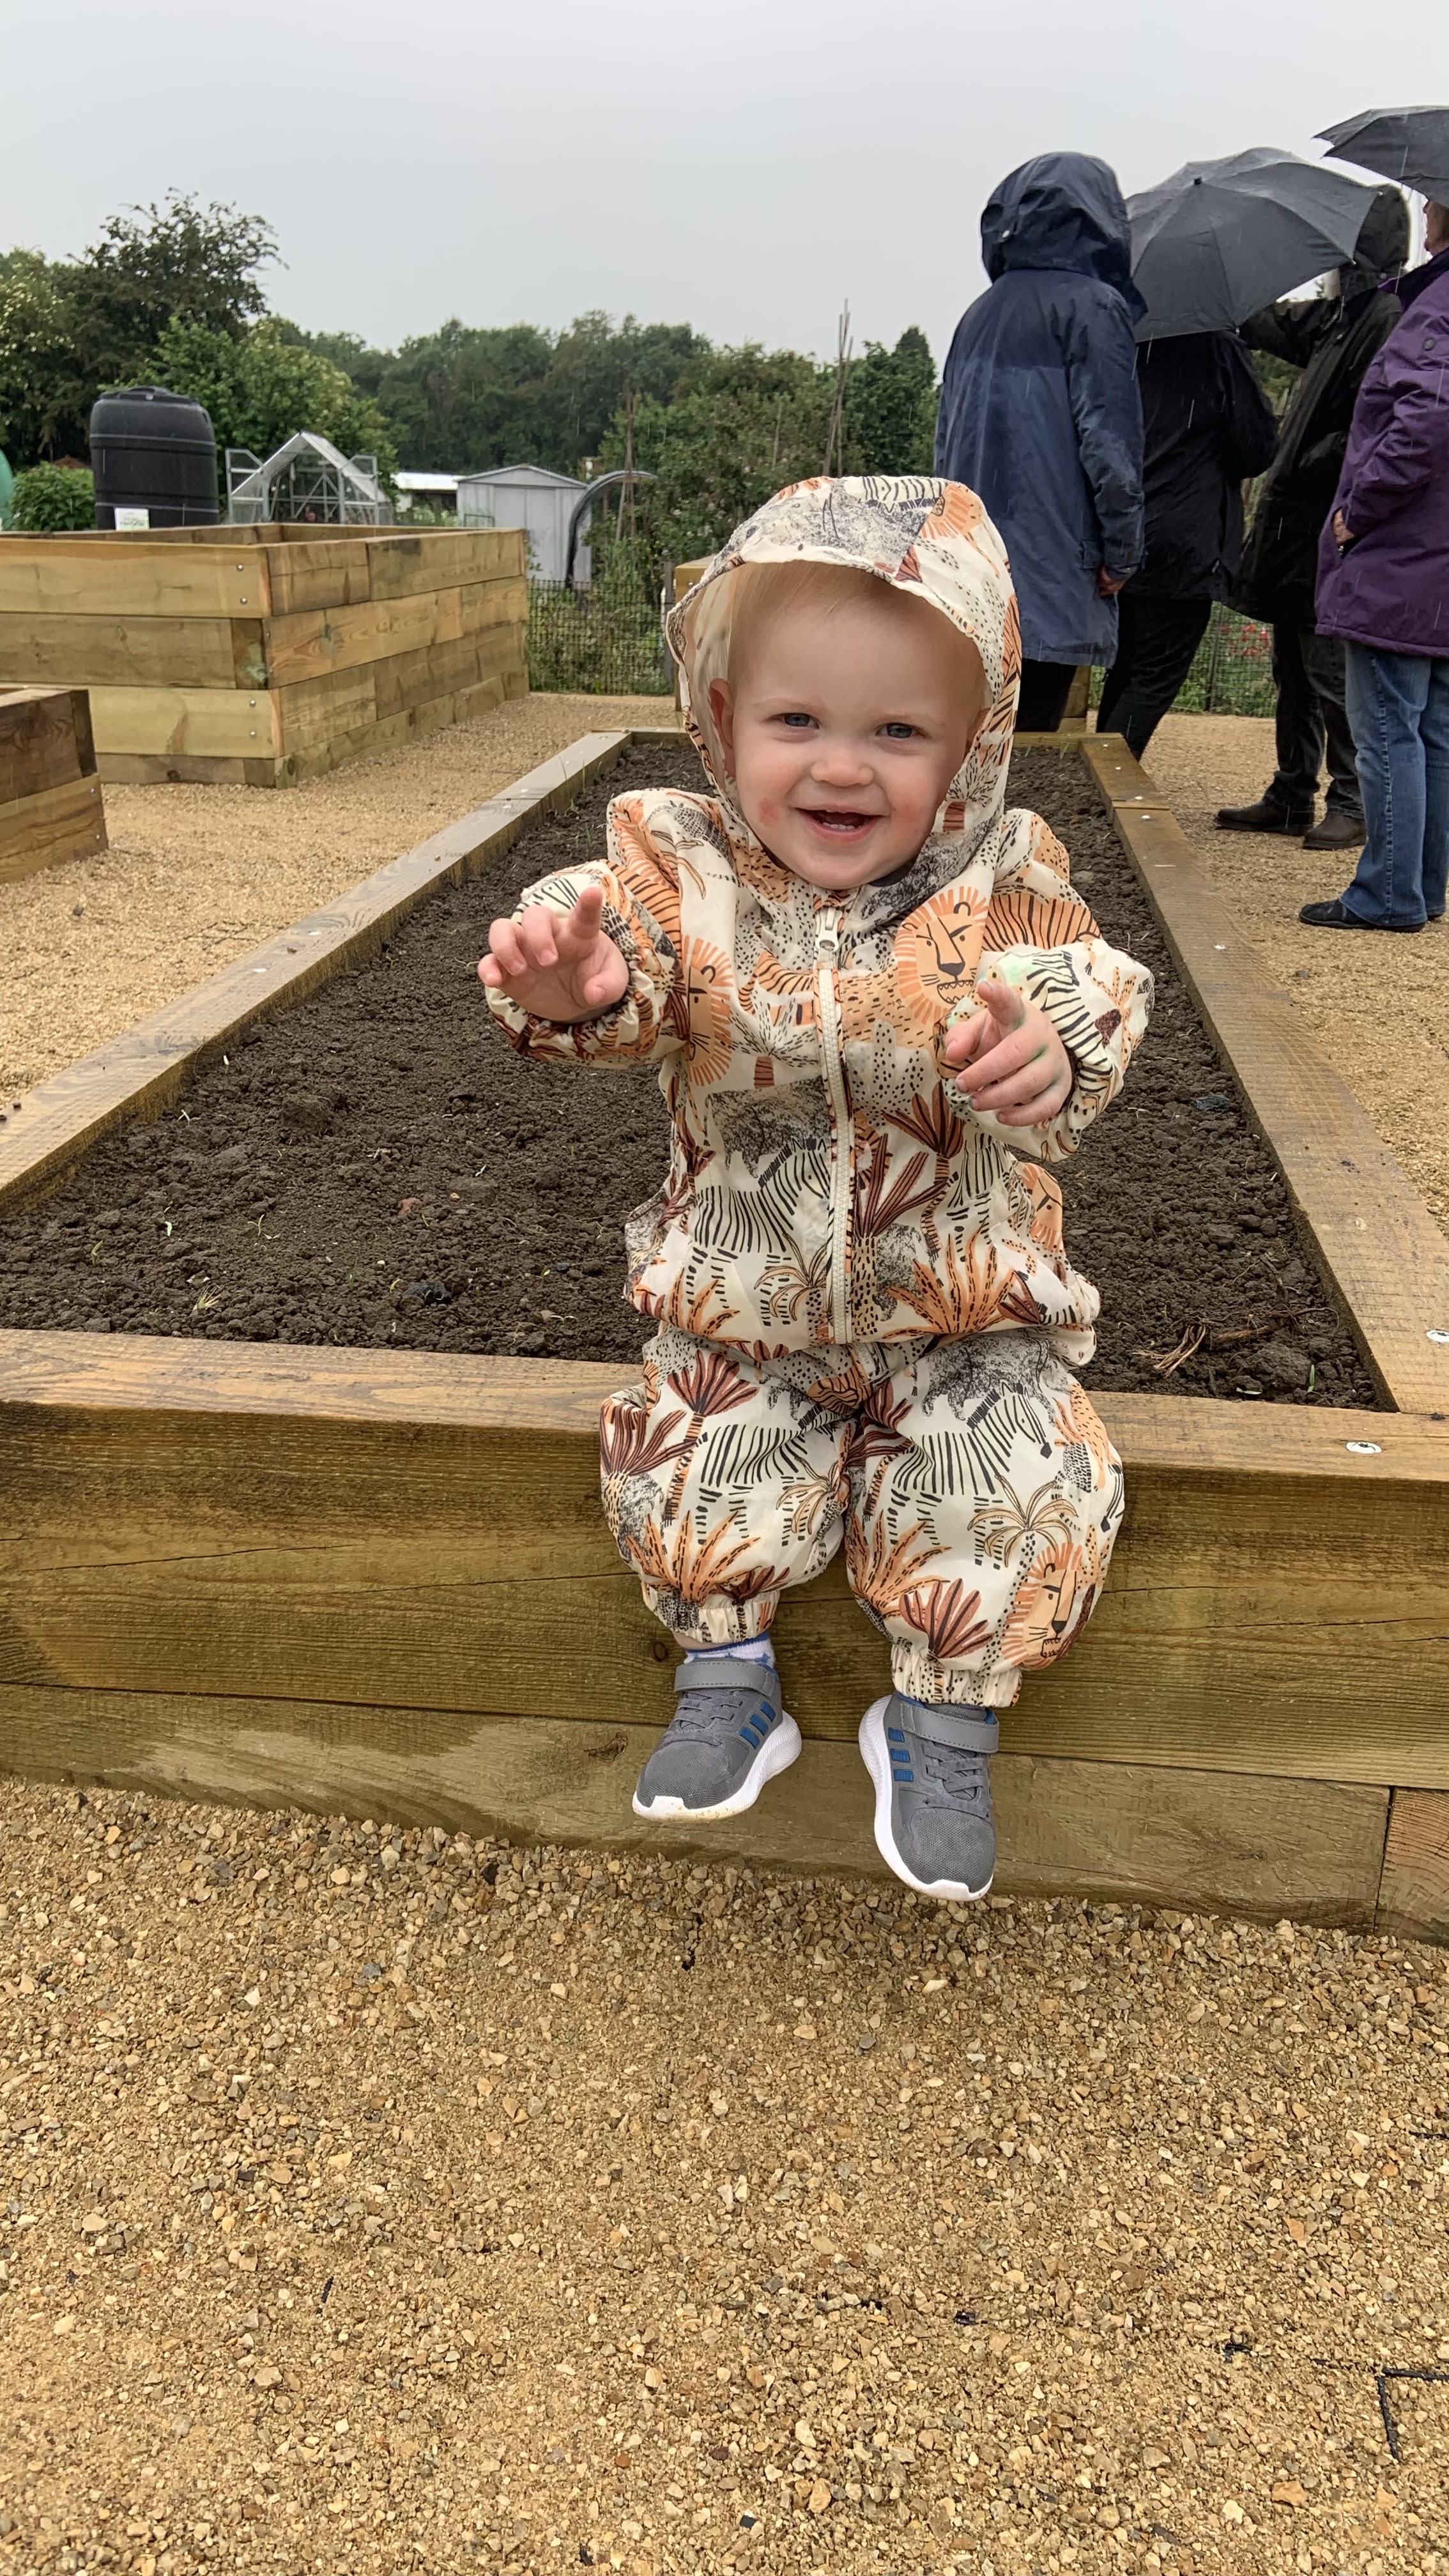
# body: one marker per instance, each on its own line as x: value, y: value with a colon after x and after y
x: 1414, y: 1889
x: 219, y: 533
x: 410, y: 724
x: 1379, y: 1248
x: 351, y: 1525
x: 1112, y: 1832
x: 411, y: 679
x: 207, y: 724
x: 60, y: 823
x: 126, y: 652
x: 439, y: 558
x: 310, y: 712
x: 114, y: 579
x: 45, y: 741
x: 150, y: 1063
x: 1122, y: 778
x: 322, y: 640
x: 317, y: 572
x: 151, y: 769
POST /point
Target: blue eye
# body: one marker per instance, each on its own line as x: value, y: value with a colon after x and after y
x: 899, y: 732
x: 797, y: 720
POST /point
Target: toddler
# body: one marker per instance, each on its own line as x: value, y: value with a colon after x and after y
x: 877, y: 1008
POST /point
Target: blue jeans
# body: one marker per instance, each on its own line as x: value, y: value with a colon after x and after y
x: 1398, y: 706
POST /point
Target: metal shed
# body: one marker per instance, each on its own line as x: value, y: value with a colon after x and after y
x: 532, y: 498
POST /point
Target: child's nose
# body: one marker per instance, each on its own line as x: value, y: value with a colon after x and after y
x: 841, y: 764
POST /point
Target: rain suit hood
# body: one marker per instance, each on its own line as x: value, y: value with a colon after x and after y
x: 1063, y: 210
x: 917, y: 534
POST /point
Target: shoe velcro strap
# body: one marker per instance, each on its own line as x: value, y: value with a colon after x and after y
x: 729, y: 1672
x: 970, y: 1730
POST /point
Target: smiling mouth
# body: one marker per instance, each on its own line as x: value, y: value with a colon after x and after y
x: 840, y: 822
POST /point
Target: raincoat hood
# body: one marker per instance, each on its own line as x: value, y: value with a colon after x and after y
x: 1065, y: 211
x: 920, y: 534
x: 1382, y: 247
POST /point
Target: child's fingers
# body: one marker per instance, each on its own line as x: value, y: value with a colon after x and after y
x: 538, y: 931
x: 505, y: 946
x: 1026, y: 1097
x: 1008, y: 1008
x: 1006, y: 1056
x: 966, y: 1037
x: 1038, y: 1111
x: 578, y: 930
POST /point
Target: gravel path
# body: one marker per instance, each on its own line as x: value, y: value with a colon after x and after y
x: 1377, y: 1004
x: 197, y: 875
x: 377, y: 2202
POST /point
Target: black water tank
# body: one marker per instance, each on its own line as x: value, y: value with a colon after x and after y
x: 153, y: 451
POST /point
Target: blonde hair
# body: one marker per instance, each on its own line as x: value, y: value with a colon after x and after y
x: 759, y: 592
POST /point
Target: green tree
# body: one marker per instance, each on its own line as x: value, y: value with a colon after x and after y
x: 48, y: 497
x: 157, y: 264
x: 44, y: 396
x: 461, y: 400
x: 741, y: 423
x: 890, y: 406
x: 70, y: 328
x: 263, y: 387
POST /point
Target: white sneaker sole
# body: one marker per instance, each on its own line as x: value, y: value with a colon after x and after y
x: 875, y: 1753
x: 780, y: 1748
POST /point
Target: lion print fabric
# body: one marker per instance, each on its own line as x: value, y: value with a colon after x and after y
x: 973, y: 1486
x: 828, y: 1183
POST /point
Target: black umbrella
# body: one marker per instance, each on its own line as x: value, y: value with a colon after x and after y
x: 1410, y: 144
x: 1219, y: 239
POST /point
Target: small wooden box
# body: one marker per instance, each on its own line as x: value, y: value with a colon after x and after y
x: 50, y: 796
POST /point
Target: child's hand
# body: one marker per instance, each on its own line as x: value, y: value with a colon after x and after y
x: 1019, y: 1069
x: 559, y: 965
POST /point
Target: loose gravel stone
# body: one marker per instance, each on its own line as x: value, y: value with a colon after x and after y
x: 379, y: 2200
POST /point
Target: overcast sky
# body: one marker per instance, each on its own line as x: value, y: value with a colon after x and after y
x: 740, y: 168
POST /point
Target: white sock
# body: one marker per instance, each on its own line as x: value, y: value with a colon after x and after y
x: 750, y: 1650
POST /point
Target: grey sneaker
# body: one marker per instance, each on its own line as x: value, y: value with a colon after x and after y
x: 727, y: 1737
x: 932, y: 1796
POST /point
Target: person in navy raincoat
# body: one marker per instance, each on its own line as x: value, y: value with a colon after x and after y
x: 1040, y: 413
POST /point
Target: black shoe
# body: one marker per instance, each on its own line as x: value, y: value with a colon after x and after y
x: 1265, y: 817
x: 1336, y: 916
x: 1337, y: 831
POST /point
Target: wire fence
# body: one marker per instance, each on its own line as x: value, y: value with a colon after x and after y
x: 607, y: 642
x: 1232, y: 670
x: 602, y: 642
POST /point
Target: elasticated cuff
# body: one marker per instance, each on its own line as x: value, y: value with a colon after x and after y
x: 917, y: 1675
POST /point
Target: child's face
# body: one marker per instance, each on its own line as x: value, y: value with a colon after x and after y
x: 843, y: 732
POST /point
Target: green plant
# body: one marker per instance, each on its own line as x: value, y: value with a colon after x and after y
x: 605, y: 641
x: 51, y: 497
x: 263, y: 387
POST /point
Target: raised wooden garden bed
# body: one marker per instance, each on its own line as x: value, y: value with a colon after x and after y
x: 262, y: 656
x: 379, y: 1580
x: 50, y: 797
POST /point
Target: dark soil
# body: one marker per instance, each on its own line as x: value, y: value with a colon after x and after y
x: 376, y: 1167
x: 1173, y: 1203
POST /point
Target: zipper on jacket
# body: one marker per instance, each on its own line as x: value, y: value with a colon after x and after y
x: 827, y: 949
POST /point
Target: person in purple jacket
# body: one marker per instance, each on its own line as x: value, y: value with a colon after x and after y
x: 1383, y: 585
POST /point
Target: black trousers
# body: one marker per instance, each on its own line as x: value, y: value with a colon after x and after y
x: 1156, y: 640
x: 1045, y: 689
x: 1311, y: 718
